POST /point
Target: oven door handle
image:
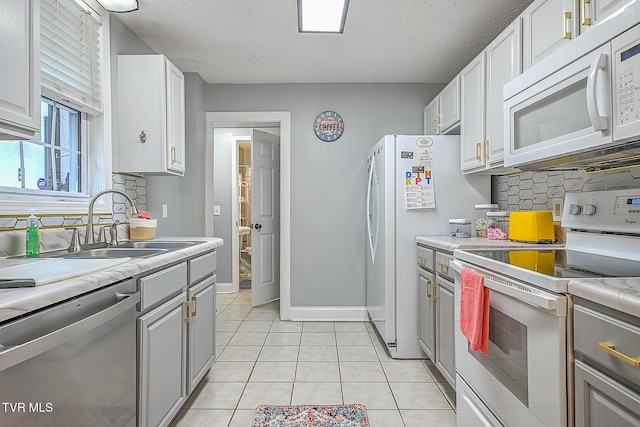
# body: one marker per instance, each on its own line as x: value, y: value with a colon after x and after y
x: 522, y: 293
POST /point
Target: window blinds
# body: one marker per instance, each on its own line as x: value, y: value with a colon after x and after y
x: 71, y: 40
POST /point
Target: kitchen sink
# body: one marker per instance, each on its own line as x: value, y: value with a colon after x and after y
x: 114, y: 252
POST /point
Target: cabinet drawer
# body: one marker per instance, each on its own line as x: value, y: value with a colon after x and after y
x: 425, y: 257
x: 202, y: 266
x: 161, y: 285
x: 442, y: 265
x: 594, y: 331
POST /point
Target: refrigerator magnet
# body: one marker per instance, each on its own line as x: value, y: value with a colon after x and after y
x: 328, y: 126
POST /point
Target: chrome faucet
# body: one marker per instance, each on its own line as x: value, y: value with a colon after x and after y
x: 88, y: 237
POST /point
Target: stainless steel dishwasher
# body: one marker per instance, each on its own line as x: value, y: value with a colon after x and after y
x: 73, y: 364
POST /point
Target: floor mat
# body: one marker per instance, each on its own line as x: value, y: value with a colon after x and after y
x: 350, y: 415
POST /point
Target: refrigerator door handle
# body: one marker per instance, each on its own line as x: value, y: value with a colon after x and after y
x: 369, y: 228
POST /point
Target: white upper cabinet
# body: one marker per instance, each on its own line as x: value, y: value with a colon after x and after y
x: 442, y: 115
x: 449, y: 107
x: 481, y: 83
x: 151, y: 115
x: 20, y: 70
x: 593, y: 11
x: 547, y: 25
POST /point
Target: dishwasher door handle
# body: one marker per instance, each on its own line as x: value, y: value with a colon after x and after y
x: 12, y: 355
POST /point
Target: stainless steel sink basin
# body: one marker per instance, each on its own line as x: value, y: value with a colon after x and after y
x: 159, y: 244
x: 113, y: 252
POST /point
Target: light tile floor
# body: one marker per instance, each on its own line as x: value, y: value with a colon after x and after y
x: 262, y: 360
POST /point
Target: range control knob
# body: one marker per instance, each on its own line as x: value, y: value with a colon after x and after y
x: 575, y: 209
x: 589, y: 210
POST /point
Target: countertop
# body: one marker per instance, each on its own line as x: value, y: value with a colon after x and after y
x: 17, y: 302
x: 449, y: 244
x: 622, y: 294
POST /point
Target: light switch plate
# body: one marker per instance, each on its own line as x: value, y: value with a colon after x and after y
x: 557, y: 206
x: 216, y: 210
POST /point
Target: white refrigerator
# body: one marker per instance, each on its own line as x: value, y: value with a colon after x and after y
x: 414, y: 186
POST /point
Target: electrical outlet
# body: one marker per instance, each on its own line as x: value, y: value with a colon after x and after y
x: 558, y: 205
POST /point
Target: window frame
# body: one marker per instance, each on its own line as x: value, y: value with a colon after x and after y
x: 96, y: 130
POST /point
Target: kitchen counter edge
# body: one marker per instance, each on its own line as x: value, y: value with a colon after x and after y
x: 20, y: 301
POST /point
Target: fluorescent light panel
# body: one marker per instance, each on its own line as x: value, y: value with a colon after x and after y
x: 119, y: 5
x: 322, y: 16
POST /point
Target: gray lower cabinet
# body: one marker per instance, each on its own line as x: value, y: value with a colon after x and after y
x: 201, y: 330
x: 176, y: 336
x: 162, y: 362
x: 436, y: 290
x: 445, y: 354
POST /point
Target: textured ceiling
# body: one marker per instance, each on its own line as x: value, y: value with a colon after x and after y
x: 256, y: 41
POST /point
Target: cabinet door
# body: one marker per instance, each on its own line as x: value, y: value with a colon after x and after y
x: 201, y: 330
x: 602, y: 401
x: 449, y: 107
x: 594, y: 11
x: 20, y: 75
x: 427, y: 313
x: 548, y: 25
x: 472, y: 114
x: 162, y: 362
x: 445, y: 354
x: 504, y: 63
x: 431, y: 118
x: 175, y: 118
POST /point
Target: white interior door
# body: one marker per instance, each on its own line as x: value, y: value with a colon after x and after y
x: 265, y: 217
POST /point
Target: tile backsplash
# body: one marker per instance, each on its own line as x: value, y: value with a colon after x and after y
x: 535, y: 191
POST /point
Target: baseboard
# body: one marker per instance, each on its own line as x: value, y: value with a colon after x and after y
x: 224, y: 288
x: 329, y: 314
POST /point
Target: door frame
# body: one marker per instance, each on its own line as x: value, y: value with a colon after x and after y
x: 254, y: 120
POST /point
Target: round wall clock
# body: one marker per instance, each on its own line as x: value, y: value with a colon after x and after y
x: 328, y: 126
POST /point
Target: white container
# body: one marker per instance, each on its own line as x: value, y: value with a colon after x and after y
x: 142, y: 229
x: 498, y: 225
x: 480, y: 221
x: 460, y: 227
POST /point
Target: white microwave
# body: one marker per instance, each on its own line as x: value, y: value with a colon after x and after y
x: 580, y: 107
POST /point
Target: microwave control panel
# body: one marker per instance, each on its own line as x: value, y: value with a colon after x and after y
x: 627, y: 84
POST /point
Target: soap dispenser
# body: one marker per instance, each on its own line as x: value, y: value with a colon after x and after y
x: 33, y: 235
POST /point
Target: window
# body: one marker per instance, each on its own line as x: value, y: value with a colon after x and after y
x: 55, y: 168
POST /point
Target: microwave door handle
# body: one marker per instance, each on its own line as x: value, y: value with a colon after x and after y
x: 598, y: 121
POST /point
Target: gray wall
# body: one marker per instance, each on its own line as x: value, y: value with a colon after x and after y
x: 328, y: 179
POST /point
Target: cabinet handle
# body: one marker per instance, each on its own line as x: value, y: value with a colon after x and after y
x: 173, y: 155
x: 187, y: 304
x: 478, y: 149
x: 435, y: 123
x: 194, y: 300
x: 434, y: 296
x: 567, y: 18
x: 486, y: 148
x: 439, y: 120
x: 583, y: 12
x: 611, y: 349
x: 429, y: 283
x: 443, y: 266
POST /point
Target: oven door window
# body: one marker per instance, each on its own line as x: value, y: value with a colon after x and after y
x: 507, y: 359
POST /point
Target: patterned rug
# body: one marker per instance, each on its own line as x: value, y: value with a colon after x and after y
x: 351, y: 415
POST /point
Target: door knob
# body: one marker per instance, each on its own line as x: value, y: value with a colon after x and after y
x: 258, y: 226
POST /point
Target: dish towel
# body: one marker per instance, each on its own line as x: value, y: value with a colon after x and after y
x: 474, y: 310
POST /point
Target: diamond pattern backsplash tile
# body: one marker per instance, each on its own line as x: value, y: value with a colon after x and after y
x: 536, y: 191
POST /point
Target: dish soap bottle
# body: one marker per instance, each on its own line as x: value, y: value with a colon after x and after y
x: 33, y: 236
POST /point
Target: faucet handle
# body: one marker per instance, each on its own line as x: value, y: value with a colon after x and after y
x: 102, y: 235
x: 114, y: 233
x: 74, y: 246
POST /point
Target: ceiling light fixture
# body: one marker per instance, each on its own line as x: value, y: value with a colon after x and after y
x: 119, y: 6
x: 322, y: 16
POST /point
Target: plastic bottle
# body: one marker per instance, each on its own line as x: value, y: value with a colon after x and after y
x: 33, y: 236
